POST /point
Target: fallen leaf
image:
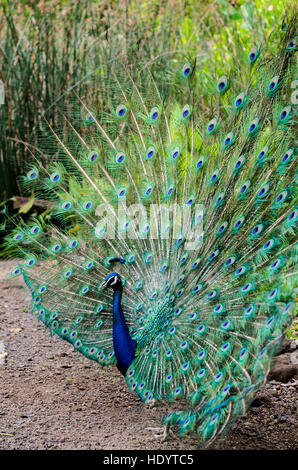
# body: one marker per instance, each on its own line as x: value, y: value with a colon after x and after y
x: 14, y: 330
x: 27, y: 206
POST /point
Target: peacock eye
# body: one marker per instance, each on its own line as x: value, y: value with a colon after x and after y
x: 87, y: 205
x: 18, y: 236
x: 245, y: 187
x: 240, y: 162
x: 293, y: 215
x: 211, y: 127
x: 285, y: 113
x: 200, y: 163
x: 120, y: 157
x: 55, y: 177
x: 263, y: 152
x: 16, y: 272
x: 35, y: 230
x: 228, y: 140
x: 150, y: 152
x: 175, y: 154
x: 287, y: 156
x: 223, y: 227
x: 154, y: 113
x: 218, y: 308
x: 247, y: 287
x: 239, y: 101
x: 186, y: 111
x: 269, y: 244
x: 215, y: 177
x: 201, y: 373
x: 187, y: 69
x: 32, y: 175
x: 291, y: 45
x: 230, y: 261
x: 66, y: 205
x: 264, y: 191
x: 273, y: 293
x: 254, y: 125
x: 90, y: 117
x: 257, y: 229
x: 273, y: 85
x: 253, y: 54
x: 121, y: 110
x: 223, y: 84
x: 219, y: 199
x: 243, y: 352
x: 93, y: 156
x: 281, y: 197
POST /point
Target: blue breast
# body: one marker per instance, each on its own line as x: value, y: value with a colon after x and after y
x: 124, y: 345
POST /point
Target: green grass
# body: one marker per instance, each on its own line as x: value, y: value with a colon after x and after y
x: 48, y: 47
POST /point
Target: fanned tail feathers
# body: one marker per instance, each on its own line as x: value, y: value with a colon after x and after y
x: 208, y: 304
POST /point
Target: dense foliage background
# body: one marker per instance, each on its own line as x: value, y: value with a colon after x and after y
x: 47, y: 47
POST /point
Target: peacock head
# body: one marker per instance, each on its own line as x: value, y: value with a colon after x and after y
x: 112, y: 280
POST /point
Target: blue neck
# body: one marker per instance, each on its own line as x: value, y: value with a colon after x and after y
x: 124, y: 345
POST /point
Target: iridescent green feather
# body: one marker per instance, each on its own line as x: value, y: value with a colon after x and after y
x: 208, y: 316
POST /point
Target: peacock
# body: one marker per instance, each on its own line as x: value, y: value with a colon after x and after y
x: 172, y: 249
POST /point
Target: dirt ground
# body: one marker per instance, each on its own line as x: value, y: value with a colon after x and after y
x: 54, y: 398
